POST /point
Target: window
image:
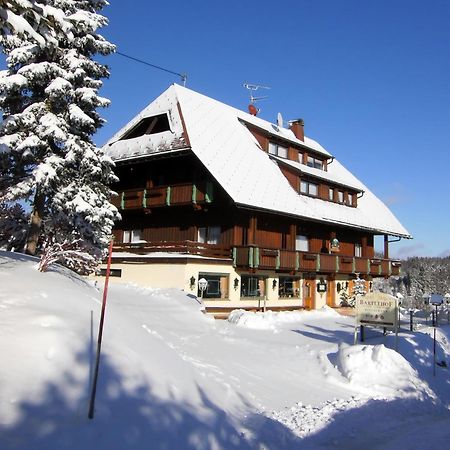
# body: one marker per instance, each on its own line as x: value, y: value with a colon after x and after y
x: 301, y: 243
x: 278, y: 150
x: 112, y: 273
x: 300, y: 157
x: 217, y: 286
x: 331, y: 194
x: 149, y: 125
x: 349, y: 199
x: 252, y: 286
x: 208, y: 235
x: 314, y: 162
x: 130, y: 236
x: 340, y: 197
x: 358, y: 250
x: 306, y: 187
x: 289, y: 287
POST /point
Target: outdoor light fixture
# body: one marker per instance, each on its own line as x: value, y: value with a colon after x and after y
x: 236, y: 283
x: 192, y: 282
x: 322, y: 286
x: 274, y: 284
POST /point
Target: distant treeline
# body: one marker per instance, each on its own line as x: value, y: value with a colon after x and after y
x: 419, y: 276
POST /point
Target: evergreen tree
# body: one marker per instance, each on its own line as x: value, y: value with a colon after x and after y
x: 13, y: 227
x: 49, y: 97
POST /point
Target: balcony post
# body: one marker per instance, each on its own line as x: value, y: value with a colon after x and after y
x: 194, y: 194
x: 122, y: 200
x: 386, y: 246
x: 256, y: 261
x: 250, y: 257
x: 209, y: 192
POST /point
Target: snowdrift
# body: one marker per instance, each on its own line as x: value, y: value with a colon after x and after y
x: 171, y: 377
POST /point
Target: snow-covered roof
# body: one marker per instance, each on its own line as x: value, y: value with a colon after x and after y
x: 317, y: 173
x: 218, y: 136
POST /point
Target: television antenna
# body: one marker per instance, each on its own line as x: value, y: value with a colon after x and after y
x: 252, y: 88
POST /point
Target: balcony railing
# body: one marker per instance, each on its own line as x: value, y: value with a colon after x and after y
x: 261, y: 258
x: 177, y: 194
x: 179, y: 247
x: 253, y: 257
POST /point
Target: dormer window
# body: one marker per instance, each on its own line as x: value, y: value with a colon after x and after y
x: 331, y: 194
x: 148, y: 125
x: 350, y: 199
x: 314, y: 162
x: 308, y: 188
x: 278, y: 150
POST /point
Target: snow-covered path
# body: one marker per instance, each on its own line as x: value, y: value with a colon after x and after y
x: 170, y: 377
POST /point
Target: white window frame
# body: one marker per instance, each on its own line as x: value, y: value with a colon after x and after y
x: 315, y: 163
x: 301, y: 243
x: 341, y: 196
x: 358, y: 250
x: 331, y: 194
x: 278, y: 150
x: 349, y: 199
x: 309, y: 188
x: 132, y: 236
x: 209, y: 235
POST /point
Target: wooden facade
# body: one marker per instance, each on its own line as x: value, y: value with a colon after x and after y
x: 175, y: 204
x: 189, y: 173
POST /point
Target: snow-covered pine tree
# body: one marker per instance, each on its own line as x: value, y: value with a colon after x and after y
x: 49, y: 97
x: 13, y: 227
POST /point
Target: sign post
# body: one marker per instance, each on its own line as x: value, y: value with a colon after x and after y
x: 377, y: 310
x: 100, y: 334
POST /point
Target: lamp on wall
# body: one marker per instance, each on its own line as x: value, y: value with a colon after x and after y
x: 274, y: 284
x: 321, y: 285
x: 192, y: 282
x: 236, y: 283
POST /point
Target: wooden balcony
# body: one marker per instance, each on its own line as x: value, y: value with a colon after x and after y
x: 253, y: 257
x: 178, y: 194
x: 179, y: 247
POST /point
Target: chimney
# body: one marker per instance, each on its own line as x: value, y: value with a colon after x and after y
x: 297, y: 126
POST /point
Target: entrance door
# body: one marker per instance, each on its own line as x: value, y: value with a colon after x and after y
x: 308, y: 293
x: 331, y: 290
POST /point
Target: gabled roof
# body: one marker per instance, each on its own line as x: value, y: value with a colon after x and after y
x: 217, y: 135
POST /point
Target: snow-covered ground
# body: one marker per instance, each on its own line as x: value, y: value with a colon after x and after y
x: 172, y: 378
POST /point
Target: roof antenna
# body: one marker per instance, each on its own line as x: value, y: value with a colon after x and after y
x: 252, y: 109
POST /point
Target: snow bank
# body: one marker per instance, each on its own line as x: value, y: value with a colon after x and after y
x: 269, y: 320
x: 306, y: 419
x: 380, y: 370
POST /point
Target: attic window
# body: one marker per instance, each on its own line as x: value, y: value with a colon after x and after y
x: 279, y: 150
x: 314, y: 162
x: 149, y: 125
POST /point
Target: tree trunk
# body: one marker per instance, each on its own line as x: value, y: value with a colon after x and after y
x: 36, y: 223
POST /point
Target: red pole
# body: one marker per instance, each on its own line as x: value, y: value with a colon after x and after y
x: 100, y: 334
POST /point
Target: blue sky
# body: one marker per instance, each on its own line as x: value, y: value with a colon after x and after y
x: 370, y: 79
